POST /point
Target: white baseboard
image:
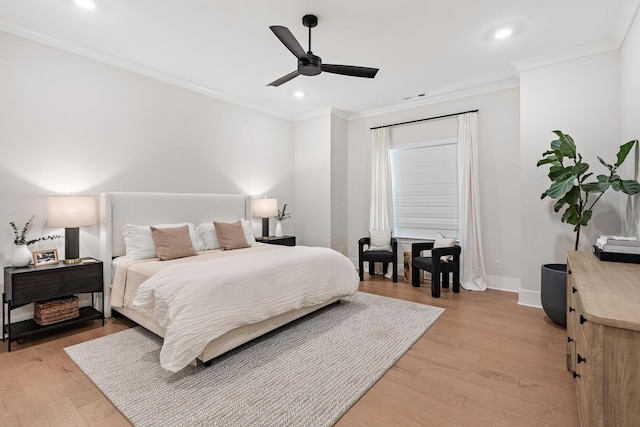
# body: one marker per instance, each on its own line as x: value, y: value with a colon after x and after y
x: 529, y: 298
x: 508, y: 284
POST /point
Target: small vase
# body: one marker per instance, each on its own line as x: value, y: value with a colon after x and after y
x: 279, y: 229
x: 21, y: 256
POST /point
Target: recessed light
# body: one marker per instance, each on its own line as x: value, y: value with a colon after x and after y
x: 298, y: 94
x: 86, y: 4
x: 503, y: 33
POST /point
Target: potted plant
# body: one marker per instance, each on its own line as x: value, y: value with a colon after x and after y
x: 282, y: 215
x: 21, y: 255
x: 569, y: 174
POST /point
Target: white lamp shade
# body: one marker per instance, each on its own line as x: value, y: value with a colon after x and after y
x: 71, y: 211
x: 264, y: 208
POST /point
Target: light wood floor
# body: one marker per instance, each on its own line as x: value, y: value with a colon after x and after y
x: 486, y: 362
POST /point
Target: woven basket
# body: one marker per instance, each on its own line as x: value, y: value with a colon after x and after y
x: 55, y: 310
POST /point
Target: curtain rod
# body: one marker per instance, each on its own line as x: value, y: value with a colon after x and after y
x: 423, y: 120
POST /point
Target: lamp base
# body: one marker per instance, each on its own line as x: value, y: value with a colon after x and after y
x: 265, y: 228
x: 71, y: 245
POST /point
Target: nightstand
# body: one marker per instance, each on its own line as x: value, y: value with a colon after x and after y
x: 280, y: 240
x: 24, y: 285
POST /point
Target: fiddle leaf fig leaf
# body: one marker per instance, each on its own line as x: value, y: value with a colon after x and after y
x: 586, y: 216
x: 624, y: 151
x: 596, y: 187
x: 580, y: 168
x: 605, y: 164
x: 558, y: 173
x: 560, y: 188
x: 629, y: 186
x: 585, y: 177
x: 549, y: 160
x: 567, y: 145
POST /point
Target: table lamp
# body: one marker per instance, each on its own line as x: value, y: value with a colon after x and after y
x: 264, y: 208
x: 71, y: 212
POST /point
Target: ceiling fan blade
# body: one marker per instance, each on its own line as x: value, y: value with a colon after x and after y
x: 284, y: 79
x: 350, y: 70
x: 289, y: 41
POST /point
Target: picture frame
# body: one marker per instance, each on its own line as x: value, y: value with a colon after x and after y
x: 45, y: 257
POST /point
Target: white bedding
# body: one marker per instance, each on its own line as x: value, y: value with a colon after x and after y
x: 197, y: 302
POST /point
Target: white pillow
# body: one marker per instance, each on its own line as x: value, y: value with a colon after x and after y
x: 248, y: 232
x: 139, y: 243
x: 379, y: 240
x: 206, y: 233
x: 444, y: 242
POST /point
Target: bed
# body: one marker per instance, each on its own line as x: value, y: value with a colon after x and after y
x: 208, y: 304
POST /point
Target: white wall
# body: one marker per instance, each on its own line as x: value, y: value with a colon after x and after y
x: 339, y: 179
x: 312, y: 180
x: 630, y: 89
x: 581, y: 98
x: 498, y: 157
x: 73, y: 124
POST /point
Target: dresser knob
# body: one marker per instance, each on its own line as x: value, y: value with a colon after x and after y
x: 582, y: 319
x: 573, y: 290
x: 581, y: 359
x: 576, y: 375
x: 571, y: 309
x: 569, y: 339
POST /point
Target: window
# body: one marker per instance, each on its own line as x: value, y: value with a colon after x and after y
x: 425, y: 189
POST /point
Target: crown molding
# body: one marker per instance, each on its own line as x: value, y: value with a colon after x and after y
x: 125, y: 64
x: 437, y: 99
x: 567, y: 55
x: 623, y: 22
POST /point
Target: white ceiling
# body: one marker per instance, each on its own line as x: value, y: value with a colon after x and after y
x: 225, y: 47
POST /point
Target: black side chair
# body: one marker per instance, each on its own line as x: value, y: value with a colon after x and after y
x: 436, y: 268
x: 385, y: 257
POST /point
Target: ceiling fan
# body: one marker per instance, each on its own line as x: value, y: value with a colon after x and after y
x: 310, y: 64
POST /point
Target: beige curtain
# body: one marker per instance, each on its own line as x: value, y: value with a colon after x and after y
x: 472, y: 269
x: 381, y: 214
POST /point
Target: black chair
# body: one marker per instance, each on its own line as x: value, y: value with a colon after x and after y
x: 385, y: 257
x: 418, y: 262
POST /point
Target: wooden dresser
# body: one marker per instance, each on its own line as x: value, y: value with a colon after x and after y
x: 603, y: 350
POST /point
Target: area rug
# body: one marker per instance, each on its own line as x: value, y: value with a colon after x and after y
x: 307, y: 373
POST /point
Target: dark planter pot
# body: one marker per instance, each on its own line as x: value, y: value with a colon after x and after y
x: 553, y: 292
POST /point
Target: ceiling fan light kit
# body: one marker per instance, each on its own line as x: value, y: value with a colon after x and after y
x: 310, y: 64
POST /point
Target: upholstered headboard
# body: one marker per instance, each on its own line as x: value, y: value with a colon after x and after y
x: 140, y: 208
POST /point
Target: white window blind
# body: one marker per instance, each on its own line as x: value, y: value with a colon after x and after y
x: 425, y: 189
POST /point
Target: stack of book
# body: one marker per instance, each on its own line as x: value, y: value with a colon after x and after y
x: 618, y: 244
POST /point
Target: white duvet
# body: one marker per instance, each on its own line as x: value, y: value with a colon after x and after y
x: 199, y: 301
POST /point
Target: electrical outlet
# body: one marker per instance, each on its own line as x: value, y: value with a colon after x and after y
x: 497, y: 264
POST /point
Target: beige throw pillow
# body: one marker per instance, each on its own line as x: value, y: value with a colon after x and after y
x: 444, y: 242
x: 379, y: 240
x: 172, y: 243
x: 230, y: 235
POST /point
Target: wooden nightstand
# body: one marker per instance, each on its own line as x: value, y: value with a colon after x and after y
x: 281, y: 240
x: 24, y: 285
